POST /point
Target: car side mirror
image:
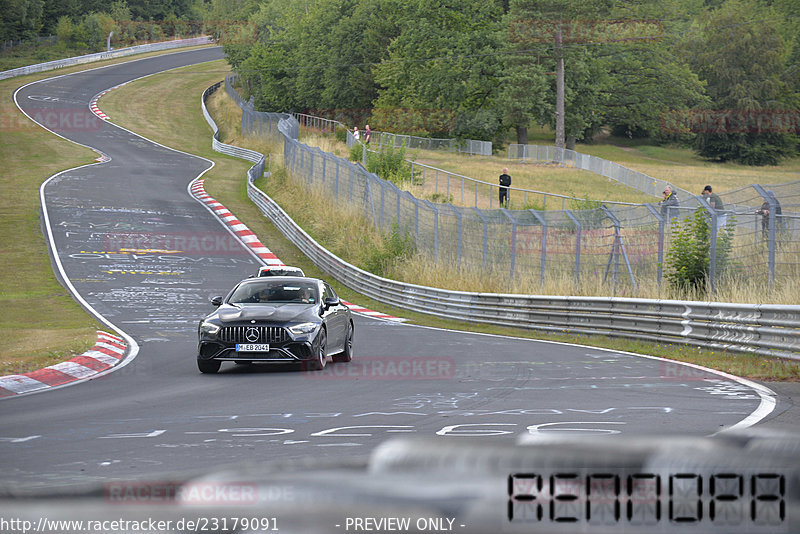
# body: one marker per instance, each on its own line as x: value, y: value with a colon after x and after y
x: 216, y: 301
x: 331, y: 301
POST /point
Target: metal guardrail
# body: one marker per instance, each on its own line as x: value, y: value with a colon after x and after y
x: 258, y: 158
x: 122, y: 52
x: 767, y: 330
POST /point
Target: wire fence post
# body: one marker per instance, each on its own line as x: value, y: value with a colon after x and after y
x: 458, y: 233
x: 660, y: 265
x: 578, y: 229
x: 712, y: 243
x: 485, y: 240
x: 772, y: 206
x: 543, y: 254
x: 513, y: 241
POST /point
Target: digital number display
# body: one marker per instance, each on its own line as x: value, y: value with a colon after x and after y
x: 726, y: 501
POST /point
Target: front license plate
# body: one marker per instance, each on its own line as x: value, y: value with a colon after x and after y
x: 252, y: 347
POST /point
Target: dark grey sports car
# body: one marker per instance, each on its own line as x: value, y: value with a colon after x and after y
x: 280, y: 319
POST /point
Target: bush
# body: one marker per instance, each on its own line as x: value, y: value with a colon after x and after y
x: 356, y: 152
x: 341, y: 134
x: 390, y: 164
x: 688, y: 259
x: 440, y: 198
x: 746, y: 148
x: 396, y: 245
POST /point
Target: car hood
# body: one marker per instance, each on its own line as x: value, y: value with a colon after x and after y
x: 278, y: 313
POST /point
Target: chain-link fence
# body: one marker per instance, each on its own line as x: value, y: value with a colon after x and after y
x: 380, y: 140
x: 569, y: 158
x: 621, y: 244
x: 444, y: 186
x: 467, y: 146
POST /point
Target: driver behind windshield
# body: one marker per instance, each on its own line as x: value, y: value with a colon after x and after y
x: 276, y: 292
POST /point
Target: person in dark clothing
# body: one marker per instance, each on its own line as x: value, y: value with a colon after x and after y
x: 716, y: 203
x: 505, y: 181
x: 764, y: 212
x: 670, y: 201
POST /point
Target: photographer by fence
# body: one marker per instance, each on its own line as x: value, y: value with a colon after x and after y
x: 505, y: 182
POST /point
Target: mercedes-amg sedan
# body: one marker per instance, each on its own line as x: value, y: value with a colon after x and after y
x: 281, y: 319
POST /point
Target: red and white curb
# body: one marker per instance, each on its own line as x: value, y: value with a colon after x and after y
x: 251, y: 240
x: 94, y: 106
x: 240, y: 229
x: 371, y: 313
x: 106, y: 353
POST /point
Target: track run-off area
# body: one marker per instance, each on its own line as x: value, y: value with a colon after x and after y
x: 154, y: 413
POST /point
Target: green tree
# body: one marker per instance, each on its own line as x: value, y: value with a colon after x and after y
x: 740, y: 52
x: 65, y: 30
x: 20, y: 19
x: 444, y: 58
x: 689, y: 256
x: 556, y: 32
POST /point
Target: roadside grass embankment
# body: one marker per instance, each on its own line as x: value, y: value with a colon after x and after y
x: 345, y: 233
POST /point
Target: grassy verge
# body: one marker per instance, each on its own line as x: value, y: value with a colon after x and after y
x: 186, y: 132
x: 42, y: 325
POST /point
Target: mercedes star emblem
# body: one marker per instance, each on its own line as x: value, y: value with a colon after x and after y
x: 251, y: 334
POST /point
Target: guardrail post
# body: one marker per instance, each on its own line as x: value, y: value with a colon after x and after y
x: 578, y: 229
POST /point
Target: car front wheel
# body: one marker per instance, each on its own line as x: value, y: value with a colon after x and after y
x: 320, y: 359
x: 347, y: 354
x: 208, y: 366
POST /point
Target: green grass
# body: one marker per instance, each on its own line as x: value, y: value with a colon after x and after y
x: 43, y: 324
x: 226, y: 182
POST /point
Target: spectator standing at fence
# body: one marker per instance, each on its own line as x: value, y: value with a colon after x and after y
x: 716, y: 203
x: 505, y: 181
x: 670, y: 201
x: 356, y: 134
x: 367, y: 135
x: 764, y: 211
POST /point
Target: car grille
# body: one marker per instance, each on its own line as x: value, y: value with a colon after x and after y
x: 266, y: 334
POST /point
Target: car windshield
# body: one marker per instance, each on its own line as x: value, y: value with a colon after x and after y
x: 280, y: 272
x: 275, y: 291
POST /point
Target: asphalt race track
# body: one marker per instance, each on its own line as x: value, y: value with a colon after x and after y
x: 158, y: 414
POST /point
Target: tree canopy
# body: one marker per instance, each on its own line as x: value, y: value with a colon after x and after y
x: 701, y: 71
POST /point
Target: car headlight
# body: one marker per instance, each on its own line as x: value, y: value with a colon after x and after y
x: 209, y: 329
x: 303, y: 328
